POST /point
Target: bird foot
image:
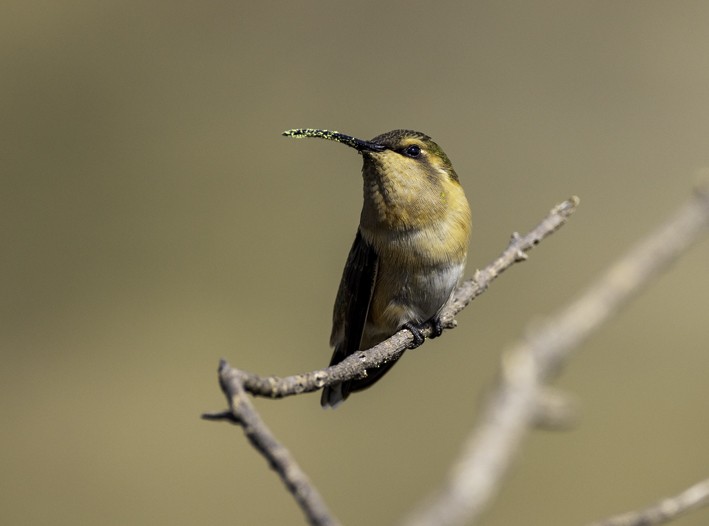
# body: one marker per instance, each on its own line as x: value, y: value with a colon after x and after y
x: 437, y: 328
x: 416, y: 333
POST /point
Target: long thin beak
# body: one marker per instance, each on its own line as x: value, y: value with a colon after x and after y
x: 352, y: 142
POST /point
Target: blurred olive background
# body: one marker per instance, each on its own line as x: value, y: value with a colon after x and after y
x: 154, y: 220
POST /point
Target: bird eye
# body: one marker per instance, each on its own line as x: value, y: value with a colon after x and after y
x: 412, y: 151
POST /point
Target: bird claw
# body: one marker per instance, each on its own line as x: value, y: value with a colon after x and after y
x: 437, y: 328
x: 416, y: 333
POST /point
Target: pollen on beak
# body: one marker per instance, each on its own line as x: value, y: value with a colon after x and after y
x: 353, y: 142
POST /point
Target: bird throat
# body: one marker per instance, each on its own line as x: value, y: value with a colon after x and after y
x: 395, y: 202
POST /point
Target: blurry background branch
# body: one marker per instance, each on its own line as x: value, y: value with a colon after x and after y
x: 511, y: 408
x: 664, y: 511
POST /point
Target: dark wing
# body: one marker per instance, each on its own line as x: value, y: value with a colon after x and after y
x: 351, y: 309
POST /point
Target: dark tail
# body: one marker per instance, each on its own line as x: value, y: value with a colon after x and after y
x: 333, y: 395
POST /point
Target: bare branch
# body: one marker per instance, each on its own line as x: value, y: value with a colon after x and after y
x: 236, y: 383
x: 355, y: 365
x: 511, y: 408
x: 664, y: 511
x: 242, y: 412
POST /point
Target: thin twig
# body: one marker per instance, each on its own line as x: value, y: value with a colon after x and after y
x: 242, y: 412
x: 356, y: 364
x: 511, y: 408
x: 664, y: 511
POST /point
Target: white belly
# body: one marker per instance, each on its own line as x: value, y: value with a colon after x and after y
x: 401, y: 297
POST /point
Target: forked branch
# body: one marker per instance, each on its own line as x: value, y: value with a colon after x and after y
x: 236, y: 383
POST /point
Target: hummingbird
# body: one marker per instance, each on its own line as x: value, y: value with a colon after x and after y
x: 409, y: 251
